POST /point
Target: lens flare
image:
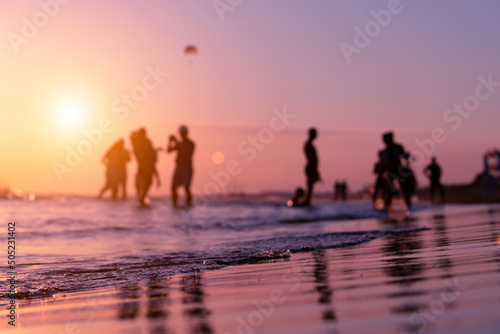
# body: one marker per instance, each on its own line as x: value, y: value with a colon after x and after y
x: 218, y: 157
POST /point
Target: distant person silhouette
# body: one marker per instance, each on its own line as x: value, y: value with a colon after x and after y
x: 115, y: 159
x: 311, y: 170
x: 378, y: 170
x: 433, y: 172
x: 392, y: 155
x: 146, y: 157
x: 343, y: 190
x: 340, y: 191
x: 297, y: 198
x: 336, y: 190
x: 183, y: 165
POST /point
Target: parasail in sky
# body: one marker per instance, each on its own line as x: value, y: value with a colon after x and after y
x: 191, y: 50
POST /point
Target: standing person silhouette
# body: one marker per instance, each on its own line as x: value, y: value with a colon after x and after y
x: 146, y: 160
x: 311, y: 170
x: 391, y: 155
x: 115, y: 159
x: 378, y: 170
x: 433, y: 172
x: 409, y: 182
x: 183, y: 165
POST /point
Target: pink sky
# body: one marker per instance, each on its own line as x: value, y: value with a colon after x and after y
x: 262, y: 56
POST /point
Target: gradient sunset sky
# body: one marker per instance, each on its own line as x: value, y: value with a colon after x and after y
x: 257, y: 57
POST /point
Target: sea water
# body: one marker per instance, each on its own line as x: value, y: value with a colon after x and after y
x: 67, y: 244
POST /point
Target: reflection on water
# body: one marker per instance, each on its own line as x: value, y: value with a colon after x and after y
x: 404, y: 265
x: 442, y: 241
x: 322, y: 286
x: 404, y: 269
x: 495, y: 238
x: 157, y: 292
x: 194, y: 298
x: 155, y: 309
x: 129, y: 308
x: 157, y: 296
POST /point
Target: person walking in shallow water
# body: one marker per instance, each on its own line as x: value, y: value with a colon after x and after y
x: 433, y: 172
x: 183, y: 165
x: 378, y: 171
x: 146, y: 160
x: 391, y: 160
x: 116, y: 159
x: 312, y: 173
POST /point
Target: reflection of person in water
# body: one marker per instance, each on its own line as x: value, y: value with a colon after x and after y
x: 183, y: 164
x: 322, y: 285
x: 146, y: 159
x: 433, y: 171
x: 129, y: 308
x: 311, y: 170
x: 116, y: 171
x: 195, y: 312
x: 404, y: 267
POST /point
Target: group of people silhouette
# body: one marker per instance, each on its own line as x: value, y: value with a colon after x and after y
x: 117, y: 157
x: 393, y: 164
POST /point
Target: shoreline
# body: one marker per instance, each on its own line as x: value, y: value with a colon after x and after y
x: 436, y: 280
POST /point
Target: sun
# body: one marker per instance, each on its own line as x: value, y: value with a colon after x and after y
x: 70, y: 115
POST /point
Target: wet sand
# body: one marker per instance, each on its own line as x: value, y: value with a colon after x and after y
x: 444, y: 279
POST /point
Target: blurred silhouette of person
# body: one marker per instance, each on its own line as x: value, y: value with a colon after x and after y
x: 340, y: 192
x: 378, y: 170
x: 343, y: 190
x: 133, y: 139
x: 146, y: 159
x: 296, y: 200
x: 115, y: 159
x: 183, y: 164
x: 392, y: 155
x: 312, y: 165
x: 433, y: 172
x: 409, y: 182
x: 336, y: 190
